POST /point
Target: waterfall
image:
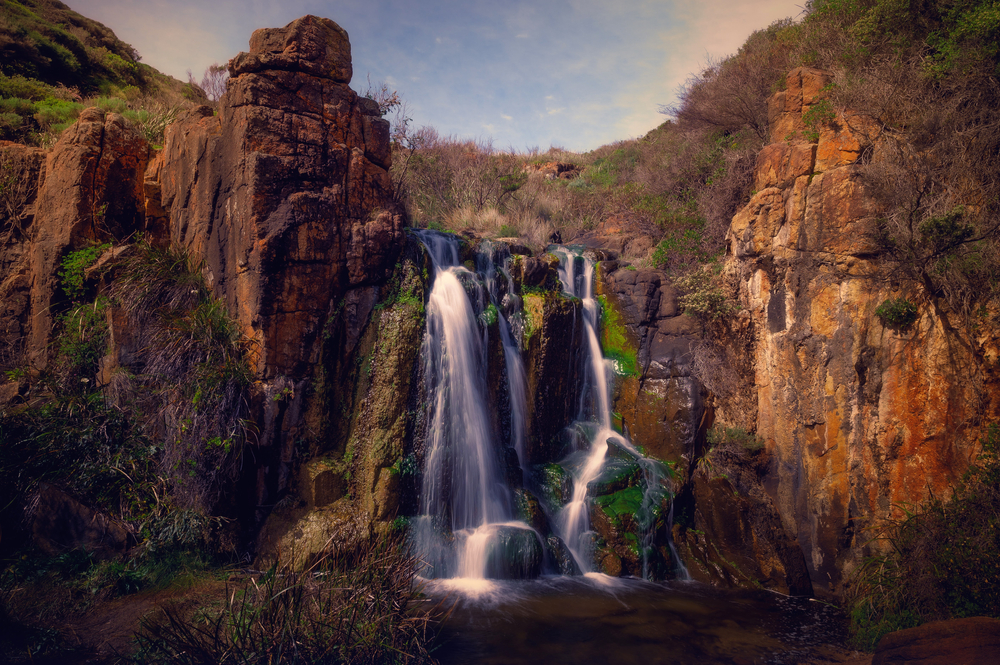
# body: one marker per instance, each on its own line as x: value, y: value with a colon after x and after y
x: 508, y: 305
x: 573, y: 519
x: 467, y: 530
x: 466, y: 527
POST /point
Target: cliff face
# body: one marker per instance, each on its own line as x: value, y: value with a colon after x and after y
x: 860, y: 418
x: 285, y: 193
x: 281, y: 197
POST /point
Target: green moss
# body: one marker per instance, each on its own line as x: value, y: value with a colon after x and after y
x: 615, y: 340
x: 626, y: 502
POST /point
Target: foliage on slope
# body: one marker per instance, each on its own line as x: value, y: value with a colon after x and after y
x: 940, y: 559
x: 55, y: 62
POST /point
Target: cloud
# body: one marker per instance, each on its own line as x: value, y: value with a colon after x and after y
x: 457, y: 61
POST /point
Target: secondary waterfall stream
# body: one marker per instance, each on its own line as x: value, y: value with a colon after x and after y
x: 465, y: 528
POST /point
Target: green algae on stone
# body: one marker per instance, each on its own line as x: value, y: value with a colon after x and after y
x: 615, y: 340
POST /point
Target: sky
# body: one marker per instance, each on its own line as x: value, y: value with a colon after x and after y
x: 575, y: 74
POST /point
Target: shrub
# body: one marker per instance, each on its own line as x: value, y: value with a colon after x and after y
x: 734, y: 436
x: 897, y: 313
x: 939, y: 560
x: 73, y: 269
x: 703, y: 296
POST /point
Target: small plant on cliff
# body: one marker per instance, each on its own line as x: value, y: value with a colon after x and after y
x: 73, y: 269
x: 897, y: 313
x: 734, y: 436
x: 939, y: 560
x: 702, y: 294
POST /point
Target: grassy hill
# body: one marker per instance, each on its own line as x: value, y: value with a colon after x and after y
x: 55, y: 62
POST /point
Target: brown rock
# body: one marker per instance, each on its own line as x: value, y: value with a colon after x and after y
x: 284, y: 195
x: 310, y: 44
x: 60, y: 523
x: 93, y: 191
x: 741, y: 541
x: 951, y: 642
x: 780, y: 163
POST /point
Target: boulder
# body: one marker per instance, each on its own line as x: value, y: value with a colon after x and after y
x: 513, y: 553
x: 60, y: 523
x: 970, y: 640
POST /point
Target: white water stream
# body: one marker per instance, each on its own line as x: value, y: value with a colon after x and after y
x: 465, y: 503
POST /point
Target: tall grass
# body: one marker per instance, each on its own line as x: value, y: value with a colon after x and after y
x: 357, y: 607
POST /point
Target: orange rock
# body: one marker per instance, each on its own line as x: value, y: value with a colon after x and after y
x: 971, y: 640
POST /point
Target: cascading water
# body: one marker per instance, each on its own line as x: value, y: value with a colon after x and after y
x: 508, y: 306
x: 573, y: 520
x: 577, y: 276
x: 466, y: 527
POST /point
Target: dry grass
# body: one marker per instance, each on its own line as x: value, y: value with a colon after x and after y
x: 357, y: 607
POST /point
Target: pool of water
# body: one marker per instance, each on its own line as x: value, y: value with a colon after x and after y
x: 598, y: 619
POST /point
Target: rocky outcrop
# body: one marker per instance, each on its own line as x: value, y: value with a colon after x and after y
x: 281, y: 197
x: 859, y: 417
x: 662, y: 407
x: 284, y: 195
x: 972, y: 640
x: 91, y: 192
x: 21, y: 169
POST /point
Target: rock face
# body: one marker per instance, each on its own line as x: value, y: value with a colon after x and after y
x: 21, y: 169
x: 284, y: 198
x: 859, y: 417
x: 284, y: 195
x: 92, y: 191
x: 856, y: 417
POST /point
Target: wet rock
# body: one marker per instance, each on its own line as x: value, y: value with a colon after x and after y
x: 617, y: 474
x: 610, y: 563
x: 513, y: 554
x: 555, y: 486
x: 529, y: 510
x: 971, y: 640
x: 560, y: 557
x: 552, y: 366
x: 737, y: 539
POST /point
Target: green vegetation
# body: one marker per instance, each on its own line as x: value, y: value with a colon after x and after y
x: 54, y: 63
x: 938, y: 560
x: 615, y: 341
x: 721, y: 436
x: 73, y: 266
x: 702, y: 294
x: 897, y: 313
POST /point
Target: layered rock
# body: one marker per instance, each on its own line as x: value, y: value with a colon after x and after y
x: 285, y: 194
x: 283, y: 197
x: 91, y: 192
x: 859, y: 417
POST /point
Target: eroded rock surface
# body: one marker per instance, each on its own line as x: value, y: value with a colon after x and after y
x: 859, y: 417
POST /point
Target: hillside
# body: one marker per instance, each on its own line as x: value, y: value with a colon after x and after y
x: 55, y: 62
